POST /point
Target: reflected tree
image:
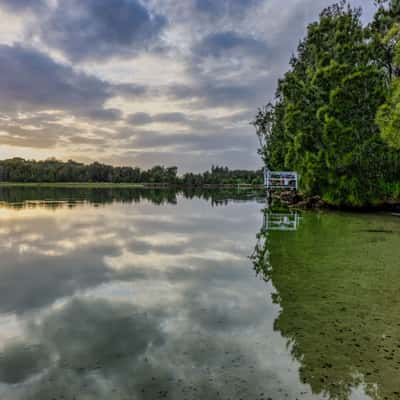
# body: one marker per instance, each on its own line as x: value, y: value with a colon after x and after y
x: 337, y: 286
x: 55, y: 197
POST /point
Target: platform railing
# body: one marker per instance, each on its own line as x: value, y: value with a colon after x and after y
x: 288, y: 180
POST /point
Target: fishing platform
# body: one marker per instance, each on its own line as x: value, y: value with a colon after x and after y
x: 280, y: 180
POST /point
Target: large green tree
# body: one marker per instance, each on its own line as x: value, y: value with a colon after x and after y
x: 322, y: 123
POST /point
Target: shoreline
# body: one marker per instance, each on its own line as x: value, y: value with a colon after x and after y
x: 112, y: 185
x: 291, y: 200
x: 301, y: 202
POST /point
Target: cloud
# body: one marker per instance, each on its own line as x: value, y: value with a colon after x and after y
x: 171, y: 117
x: 100, y: 29
x: 231, y: 140
x: 216, y: 92
x: 221, y: 44
x: 129, y: 90
x: 22, y: 5
x: 224, y: 8
x: 142, y: 118
x: 31, y: 80
x: 46, y: 92
x: 37, y: 132
x: 139, y: 118
x: 109, y: 114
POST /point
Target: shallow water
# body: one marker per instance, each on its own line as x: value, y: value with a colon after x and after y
x: 151, y: 294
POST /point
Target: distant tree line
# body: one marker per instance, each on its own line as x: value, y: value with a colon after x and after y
x: 336, y: 115
x: 53, y: 171
x: 222, y: 175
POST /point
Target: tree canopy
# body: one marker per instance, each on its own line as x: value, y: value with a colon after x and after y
x: 336, y: 114
x: 388, y: 117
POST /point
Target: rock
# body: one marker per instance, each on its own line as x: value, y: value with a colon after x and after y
x: 316, y: 202
x: 309, y: 203
x: 290, y: 197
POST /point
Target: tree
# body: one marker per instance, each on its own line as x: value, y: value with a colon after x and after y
x: 388, y: 117
x: 323, y: 121
x: 378, y: 32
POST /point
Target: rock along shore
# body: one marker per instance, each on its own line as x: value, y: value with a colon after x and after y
x: 300, y: 201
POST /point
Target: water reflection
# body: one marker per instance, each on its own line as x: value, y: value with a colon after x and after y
x: 279, y: 221
x: 56, y: 197
x: 337, y: 284
x: 148, y: 299
x: 136, y: 300
x: 274, y: 219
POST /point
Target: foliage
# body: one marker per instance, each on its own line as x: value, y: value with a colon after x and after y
x: 52, y: 170
x: 322, y: 123
x: 222, y: 175
x: 388, y: 117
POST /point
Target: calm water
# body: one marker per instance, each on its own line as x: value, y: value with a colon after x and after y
x: 150, y: 294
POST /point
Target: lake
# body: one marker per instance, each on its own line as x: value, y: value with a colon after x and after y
x: 151, y: 294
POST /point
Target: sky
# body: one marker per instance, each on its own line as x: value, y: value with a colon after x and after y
x: 144, y: 82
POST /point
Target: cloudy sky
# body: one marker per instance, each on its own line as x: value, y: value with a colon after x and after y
x: 143, y: 82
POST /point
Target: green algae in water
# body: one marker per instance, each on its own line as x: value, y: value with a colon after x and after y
x: 337, y: 281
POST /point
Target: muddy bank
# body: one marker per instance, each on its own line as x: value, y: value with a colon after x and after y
x: 301, y: 201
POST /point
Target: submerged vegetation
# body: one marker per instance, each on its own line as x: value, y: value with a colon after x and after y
x: 336, y: 285
x: 18, y: 170
x: 336, y: 115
